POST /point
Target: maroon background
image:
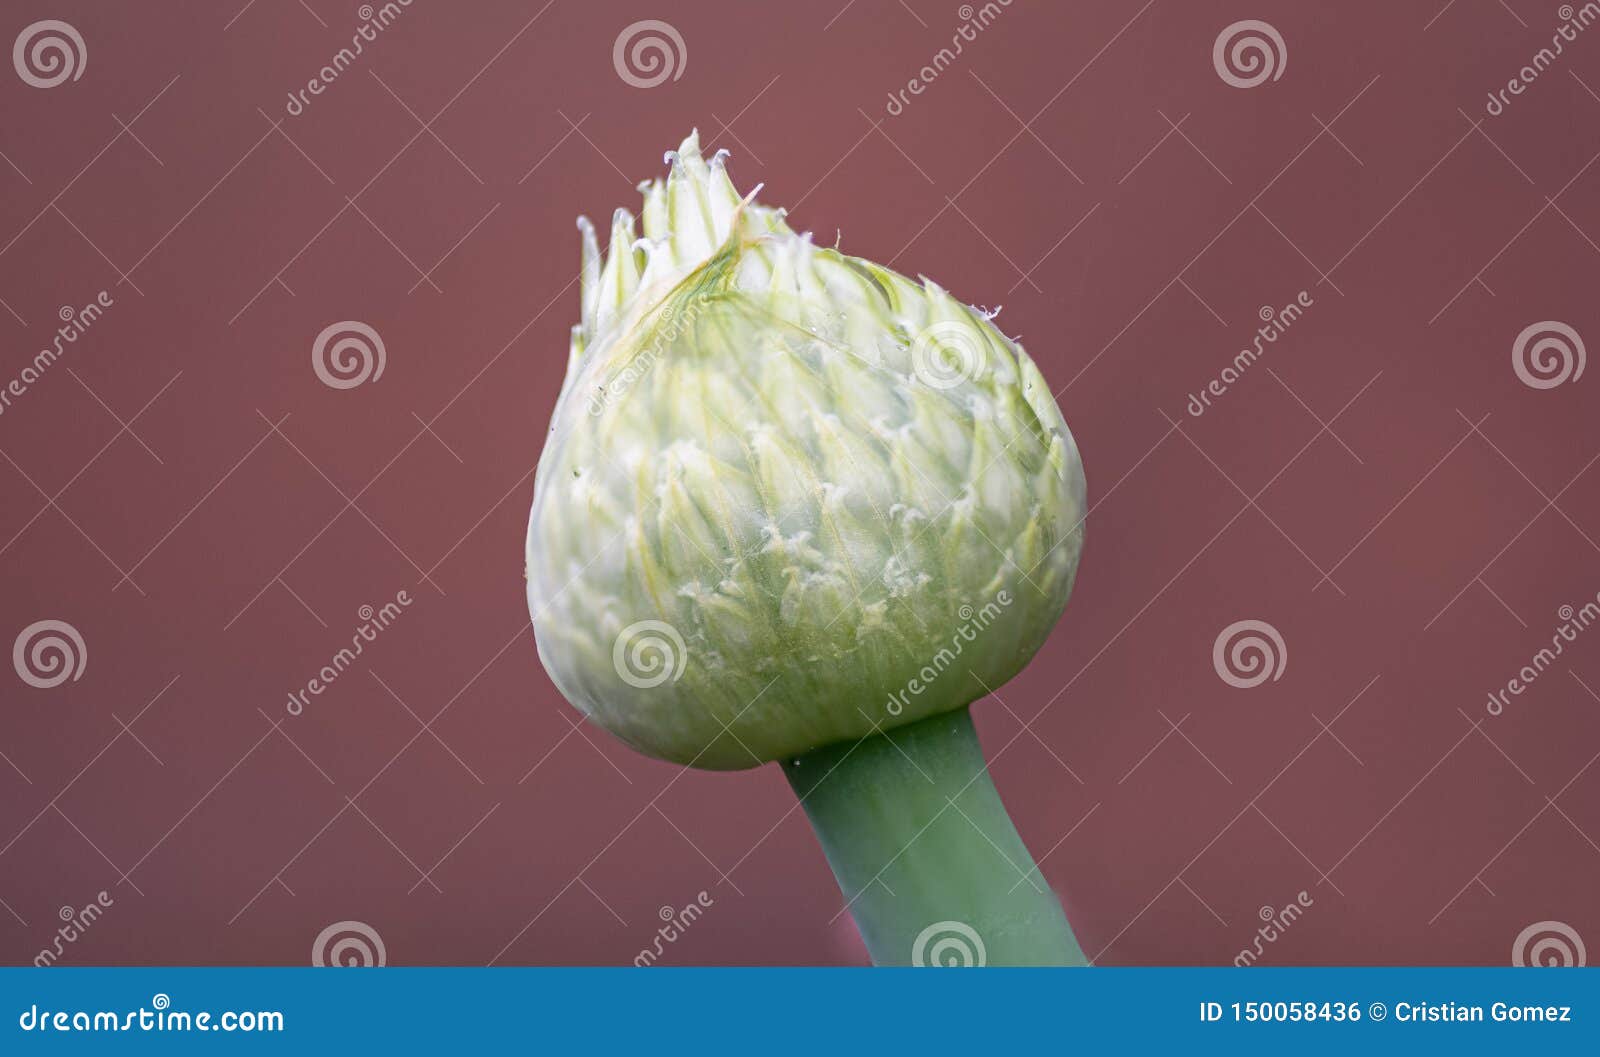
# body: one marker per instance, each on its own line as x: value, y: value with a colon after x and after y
x: 229, y: 235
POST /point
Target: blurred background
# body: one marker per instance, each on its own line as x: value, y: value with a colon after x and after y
x: 1401, y: 487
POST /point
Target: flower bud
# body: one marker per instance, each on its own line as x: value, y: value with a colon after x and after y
x: 783, y: 486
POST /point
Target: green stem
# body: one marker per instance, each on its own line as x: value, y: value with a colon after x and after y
x: 920, y: 842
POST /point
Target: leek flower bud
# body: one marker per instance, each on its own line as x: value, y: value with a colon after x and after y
x: 790, y: 499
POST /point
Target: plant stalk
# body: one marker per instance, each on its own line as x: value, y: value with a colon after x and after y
x: 925, y: 853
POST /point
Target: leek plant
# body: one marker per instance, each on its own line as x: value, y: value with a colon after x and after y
x: 797, y: 507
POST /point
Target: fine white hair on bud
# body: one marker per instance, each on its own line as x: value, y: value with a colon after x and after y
x: 789, y: 496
